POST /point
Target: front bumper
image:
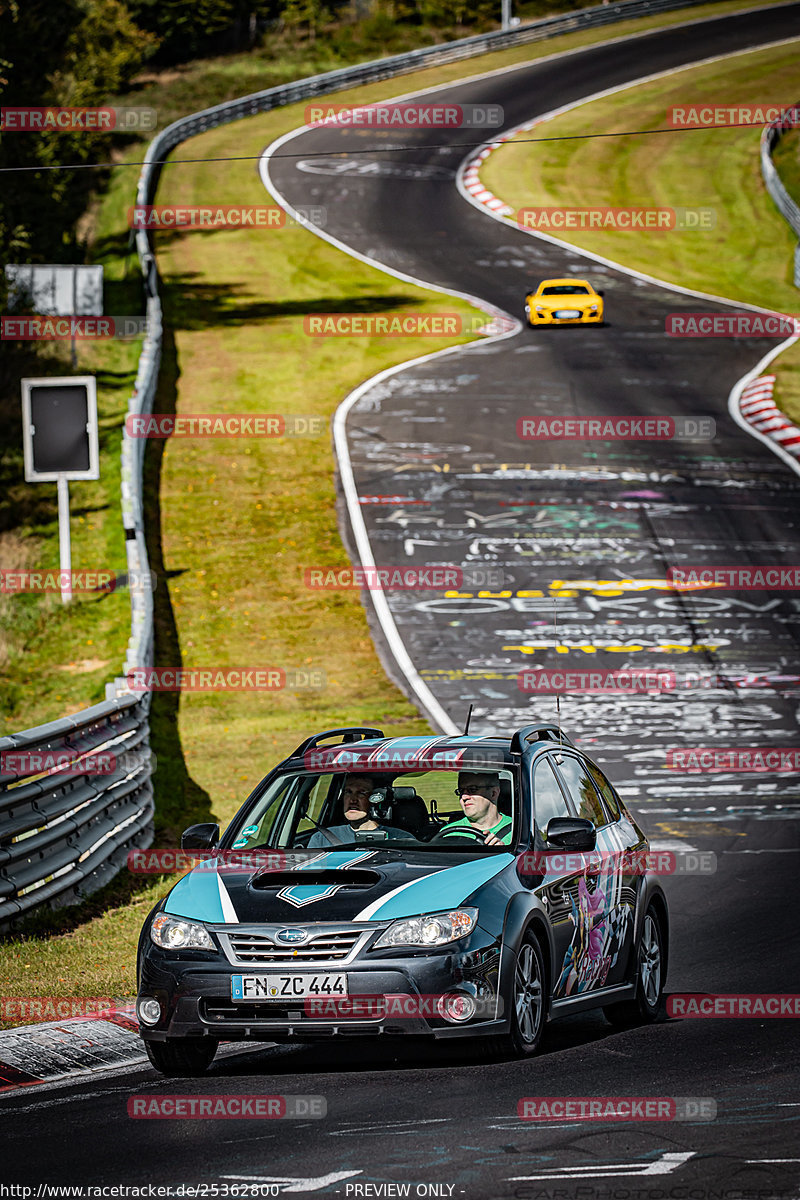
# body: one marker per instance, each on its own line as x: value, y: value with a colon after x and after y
x: 194, y: 990
x: 585, y: 317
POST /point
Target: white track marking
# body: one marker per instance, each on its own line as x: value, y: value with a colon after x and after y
x: 664, y: 1165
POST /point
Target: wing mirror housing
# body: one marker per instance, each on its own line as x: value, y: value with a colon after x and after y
x: 200, y: 837
x: 571, y: 833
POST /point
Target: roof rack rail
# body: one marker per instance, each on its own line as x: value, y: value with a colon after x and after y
x: 355, y: 733
x: 538, y: 733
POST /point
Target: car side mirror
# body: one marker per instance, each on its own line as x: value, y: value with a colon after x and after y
x: 600, y: 292
x: 200, y: 837
x: 571, y: 833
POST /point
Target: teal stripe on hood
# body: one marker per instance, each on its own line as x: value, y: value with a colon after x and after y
x: 437, y: 892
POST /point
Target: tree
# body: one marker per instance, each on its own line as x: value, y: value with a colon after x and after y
x: 83, y: 52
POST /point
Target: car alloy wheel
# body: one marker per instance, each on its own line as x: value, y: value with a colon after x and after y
x: 650, y: 962
x: 645, y: 1008
x: 527, y: 1003
x: 528, y: 994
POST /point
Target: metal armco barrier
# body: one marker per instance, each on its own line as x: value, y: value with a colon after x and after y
x: 64, y: 835
x: 783, y: 201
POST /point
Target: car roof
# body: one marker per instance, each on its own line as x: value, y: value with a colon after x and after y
x: 408, y: 754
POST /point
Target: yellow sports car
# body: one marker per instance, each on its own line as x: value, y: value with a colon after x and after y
x: 564, y: 302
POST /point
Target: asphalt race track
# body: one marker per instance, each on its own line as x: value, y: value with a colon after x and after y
x: 442, y: 434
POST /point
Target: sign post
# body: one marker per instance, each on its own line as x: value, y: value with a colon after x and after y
x: 60, y: 442
x: 64, y: 540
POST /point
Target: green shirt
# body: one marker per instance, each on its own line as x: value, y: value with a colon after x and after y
x: 502, y: 829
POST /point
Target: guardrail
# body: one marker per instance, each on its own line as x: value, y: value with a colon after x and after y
x: 63, y: 835
x: 783, y: 201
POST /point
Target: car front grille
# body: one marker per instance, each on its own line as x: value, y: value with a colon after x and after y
x: 218, y: 1011
x: 253, y: 949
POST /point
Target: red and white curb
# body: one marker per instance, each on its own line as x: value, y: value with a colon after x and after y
x: 472, y: 182
x: 760, y: 410
x: 53, y: 1050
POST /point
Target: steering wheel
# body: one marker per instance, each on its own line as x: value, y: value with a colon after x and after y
x: 463, y: 831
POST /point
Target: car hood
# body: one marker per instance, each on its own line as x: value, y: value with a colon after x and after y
x: 334, y: 885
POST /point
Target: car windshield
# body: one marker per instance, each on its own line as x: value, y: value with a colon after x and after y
x: 567, y: 289
x: 399, y: 811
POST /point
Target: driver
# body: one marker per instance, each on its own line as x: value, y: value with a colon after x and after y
x: 479, y: 792
x: 355, y: 803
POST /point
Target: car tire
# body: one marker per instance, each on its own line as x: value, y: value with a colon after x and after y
x: 646, y: 1006
x: 182, y: 1056
x: 527, y: 1003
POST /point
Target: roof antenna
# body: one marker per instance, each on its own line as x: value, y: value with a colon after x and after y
x: 469, y: 717
x: 558, y: 694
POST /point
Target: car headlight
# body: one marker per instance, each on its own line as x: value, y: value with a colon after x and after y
x: 594, y: 308
x: 172, y: 933
x: 435, y: 930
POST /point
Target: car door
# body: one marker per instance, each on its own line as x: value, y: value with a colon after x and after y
x: 567, y: 875
x: 603, y: 920
x: 623, y: 840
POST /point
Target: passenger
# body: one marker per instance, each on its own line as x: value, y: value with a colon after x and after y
x: 355, y: 802
x: 479, y: 792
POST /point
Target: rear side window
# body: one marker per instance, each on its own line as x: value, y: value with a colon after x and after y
x: 548, y: 799
x: 605, y: 789
x: 582, y: 790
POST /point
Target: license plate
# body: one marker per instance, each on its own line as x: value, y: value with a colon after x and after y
x: 286, y: 987
x: 567, y: 314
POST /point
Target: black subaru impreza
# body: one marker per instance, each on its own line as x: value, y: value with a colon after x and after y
x: 448, y: 886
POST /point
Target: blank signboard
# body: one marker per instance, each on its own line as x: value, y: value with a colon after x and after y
x: 60, y: 428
